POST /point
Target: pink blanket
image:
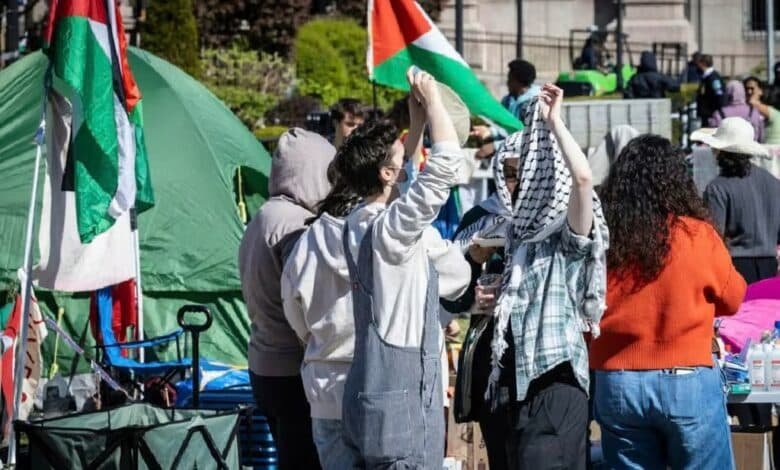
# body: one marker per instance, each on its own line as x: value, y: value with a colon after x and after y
x: 766, y: 289
x: 753, y: 318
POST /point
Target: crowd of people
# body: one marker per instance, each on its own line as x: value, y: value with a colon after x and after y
x: 750, y: 98
x: 591, y: 285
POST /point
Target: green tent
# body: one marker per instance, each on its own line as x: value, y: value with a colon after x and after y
x: 189, y: 240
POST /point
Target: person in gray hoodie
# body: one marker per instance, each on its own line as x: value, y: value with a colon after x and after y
x: 298, y: 181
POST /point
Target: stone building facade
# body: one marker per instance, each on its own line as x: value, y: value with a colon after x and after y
x: 733, y: 31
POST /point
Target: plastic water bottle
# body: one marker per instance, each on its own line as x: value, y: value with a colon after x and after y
x: 757, y: 367
x: 773, y: 368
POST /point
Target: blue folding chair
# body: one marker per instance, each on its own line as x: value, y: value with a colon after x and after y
x: 111, y: 350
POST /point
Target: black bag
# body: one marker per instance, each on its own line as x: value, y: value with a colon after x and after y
x: 462, y: 403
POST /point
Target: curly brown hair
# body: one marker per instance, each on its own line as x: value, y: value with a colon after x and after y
x: 648, y: 189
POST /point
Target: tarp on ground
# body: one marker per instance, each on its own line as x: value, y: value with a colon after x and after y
x: 190, y: 239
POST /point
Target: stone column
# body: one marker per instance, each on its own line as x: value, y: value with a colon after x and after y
x: 648, y: 21
x: 483, y: 47
x: 473, y: 31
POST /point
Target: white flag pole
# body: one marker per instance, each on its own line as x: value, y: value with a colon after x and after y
x: 24, y: 322
x: 138, y: 290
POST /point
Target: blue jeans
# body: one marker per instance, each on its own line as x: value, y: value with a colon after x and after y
x: 334, y: 453
x: 655, y: 419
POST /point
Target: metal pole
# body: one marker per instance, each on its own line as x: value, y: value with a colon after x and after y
x: 700, y: 26
x: 459, y: 26
x: 24, y: 322
x: 195, y: 369
x: 619, y: 33
x: 519, y: 51
x: 770, y: 41
x: 139, y: 293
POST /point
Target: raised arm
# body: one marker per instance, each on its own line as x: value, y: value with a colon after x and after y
x: 762, y: 108
x: 417, y: 121
x: 401, y: 226
x: 580, y: 213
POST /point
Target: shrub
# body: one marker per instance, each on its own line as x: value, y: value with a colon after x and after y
x: 330, y: 59
x: 267, y: 25
x: 269, y: 136
x: 248, y: 105
x: 170, y: 32
x: 270, y: 132
x: 276, y: 22
x: 249, y: 83
x: 356, y: 9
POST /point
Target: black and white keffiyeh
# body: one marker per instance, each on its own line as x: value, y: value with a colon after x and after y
x: 544, y: 178
x: 499, y: 208
x: 540, y: 210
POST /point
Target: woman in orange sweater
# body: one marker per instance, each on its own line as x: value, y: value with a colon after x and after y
x: 658, y: 397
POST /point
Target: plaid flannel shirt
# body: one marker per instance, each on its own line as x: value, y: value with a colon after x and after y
x: 546, y: 327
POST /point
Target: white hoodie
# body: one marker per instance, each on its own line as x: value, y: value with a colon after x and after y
x: 316, y: 287
x: 318, y: 305
x: 404, y: 242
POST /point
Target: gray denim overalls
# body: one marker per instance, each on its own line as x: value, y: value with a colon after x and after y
x: 393, y: 416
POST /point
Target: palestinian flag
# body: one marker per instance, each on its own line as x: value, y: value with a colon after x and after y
x: 106, y: 162
x: 33, y: 359
x: 401, y: 35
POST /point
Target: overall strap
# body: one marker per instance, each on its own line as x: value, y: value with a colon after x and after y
x: 351, y: 266
x: 362, y: 269
x: 431, y: 323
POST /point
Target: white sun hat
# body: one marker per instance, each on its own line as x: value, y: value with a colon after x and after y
x: 734, y: 134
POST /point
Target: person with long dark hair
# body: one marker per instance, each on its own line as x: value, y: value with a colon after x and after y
x: 317, y: 298
x: 659, y: 397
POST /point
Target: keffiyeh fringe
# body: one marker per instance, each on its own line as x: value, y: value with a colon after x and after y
x: 539, y: 212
